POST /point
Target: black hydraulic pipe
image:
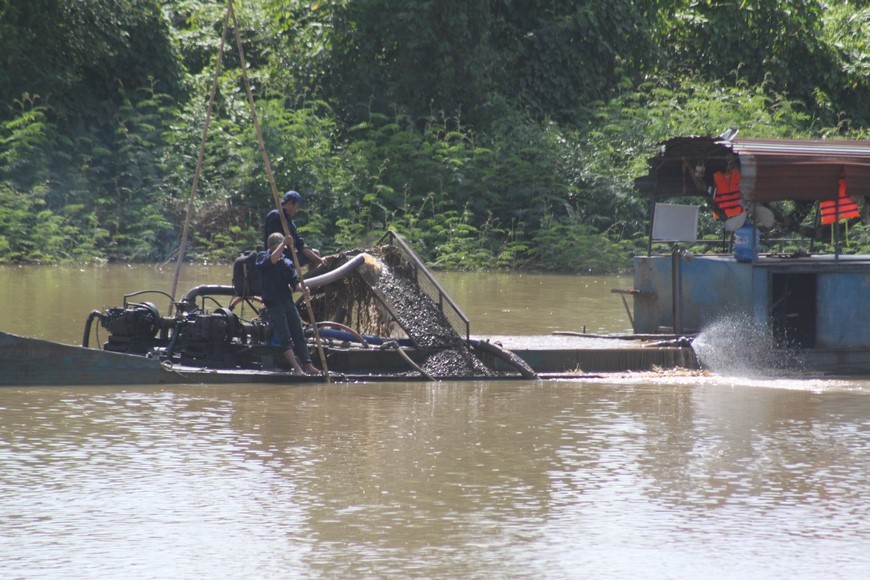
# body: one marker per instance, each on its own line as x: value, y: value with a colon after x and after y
x: 86, y: 338
x: 173, y: 342
x: 506, y: 356
x: 205, y: 289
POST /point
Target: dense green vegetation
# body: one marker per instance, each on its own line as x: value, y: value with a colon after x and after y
x: 493, y: 134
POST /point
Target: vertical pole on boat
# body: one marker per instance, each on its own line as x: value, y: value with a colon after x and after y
x: 182, y: 247
x: 835, y: 232
x: 677, y: 289
x: 277, y: 199
x: 652, y: 214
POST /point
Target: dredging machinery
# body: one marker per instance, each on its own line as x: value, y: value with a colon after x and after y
x: 380, y: 315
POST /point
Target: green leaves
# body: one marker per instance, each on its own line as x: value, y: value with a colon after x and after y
x: 22, y: 139
x: 493, y: 135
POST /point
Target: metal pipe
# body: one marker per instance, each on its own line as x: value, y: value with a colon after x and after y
x: 677, y: 291
x: 205, y: 289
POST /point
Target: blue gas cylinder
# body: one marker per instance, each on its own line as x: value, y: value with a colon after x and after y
x: 746, y: 243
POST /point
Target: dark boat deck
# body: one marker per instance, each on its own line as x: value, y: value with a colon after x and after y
x: 597, y: 354
x: 31, y: 361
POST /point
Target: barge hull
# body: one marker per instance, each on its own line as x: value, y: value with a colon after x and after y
x: 31, y: 361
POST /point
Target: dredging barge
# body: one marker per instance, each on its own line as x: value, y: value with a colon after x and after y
x: 382, y: 316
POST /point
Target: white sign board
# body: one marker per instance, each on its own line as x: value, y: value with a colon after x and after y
x: 675, y: 223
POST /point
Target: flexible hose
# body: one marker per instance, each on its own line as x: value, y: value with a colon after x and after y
x: 336, y: 274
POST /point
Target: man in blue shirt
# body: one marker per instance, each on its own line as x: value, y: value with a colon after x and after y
x: 291, y: 202
x: 279, y: 280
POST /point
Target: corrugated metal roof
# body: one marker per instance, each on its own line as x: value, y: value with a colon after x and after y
x: 770, y: 169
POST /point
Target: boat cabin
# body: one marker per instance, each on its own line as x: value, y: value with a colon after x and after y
x: 759, y: 228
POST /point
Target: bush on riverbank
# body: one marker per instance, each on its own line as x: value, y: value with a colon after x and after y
x: 491, y: 136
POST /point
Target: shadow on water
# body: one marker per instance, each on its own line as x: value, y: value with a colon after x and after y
x: 737, y: 345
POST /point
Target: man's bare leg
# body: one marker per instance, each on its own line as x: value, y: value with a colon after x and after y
x: 291, y: 358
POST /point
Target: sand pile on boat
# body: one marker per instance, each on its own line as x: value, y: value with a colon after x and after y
x: 384, y: 299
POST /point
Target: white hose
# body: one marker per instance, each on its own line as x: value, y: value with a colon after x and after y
x: 336, y: 274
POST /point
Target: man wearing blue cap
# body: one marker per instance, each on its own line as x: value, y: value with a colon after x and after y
x: 291, y: 202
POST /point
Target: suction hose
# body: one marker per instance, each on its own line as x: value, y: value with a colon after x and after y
x: 338, y: 273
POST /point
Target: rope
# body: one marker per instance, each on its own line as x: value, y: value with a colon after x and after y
x: 186, y: 230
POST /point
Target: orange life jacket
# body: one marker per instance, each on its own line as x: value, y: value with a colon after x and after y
x: 727, y: 197
x: 842, y: 208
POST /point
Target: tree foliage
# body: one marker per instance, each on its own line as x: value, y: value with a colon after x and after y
x: 492, y: 134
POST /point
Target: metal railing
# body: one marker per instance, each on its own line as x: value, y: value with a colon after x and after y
x: 427, y: 282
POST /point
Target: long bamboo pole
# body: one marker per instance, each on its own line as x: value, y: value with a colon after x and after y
x: 275, y: 196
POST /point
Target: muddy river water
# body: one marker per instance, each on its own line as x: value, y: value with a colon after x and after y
x: 668, y: 475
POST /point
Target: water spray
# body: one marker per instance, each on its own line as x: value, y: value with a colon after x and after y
x: 738, y: 345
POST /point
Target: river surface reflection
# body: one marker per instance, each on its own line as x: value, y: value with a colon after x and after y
x: 653, y: 476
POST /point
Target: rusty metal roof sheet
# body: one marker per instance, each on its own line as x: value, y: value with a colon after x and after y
x: 770, y: 169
